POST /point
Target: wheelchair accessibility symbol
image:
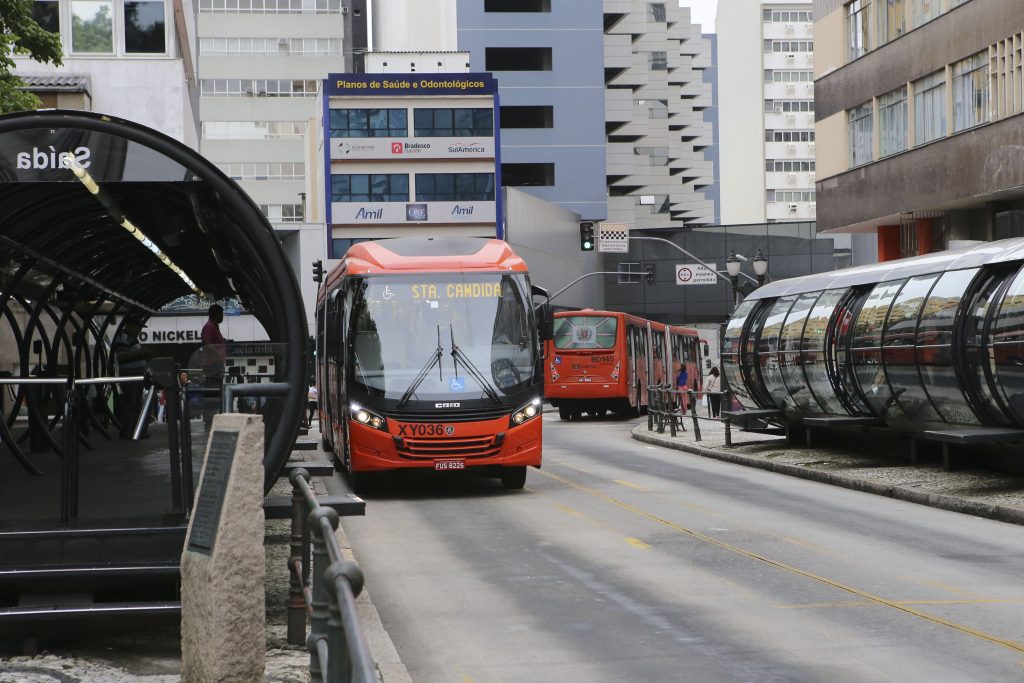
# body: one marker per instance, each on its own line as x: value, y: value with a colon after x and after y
x: 456, y: 384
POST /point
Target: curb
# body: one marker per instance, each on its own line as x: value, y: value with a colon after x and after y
x: 999, y: 513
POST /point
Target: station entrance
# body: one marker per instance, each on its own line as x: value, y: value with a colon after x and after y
x: 102, y: 223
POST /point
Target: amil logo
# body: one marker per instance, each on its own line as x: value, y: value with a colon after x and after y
x: 396, y: 147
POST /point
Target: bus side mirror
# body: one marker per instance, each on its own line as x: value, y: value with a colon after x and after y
x: 545, y: 322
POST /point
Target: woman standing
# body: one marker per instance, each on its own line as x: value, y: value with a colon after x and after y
x: 712, y: 389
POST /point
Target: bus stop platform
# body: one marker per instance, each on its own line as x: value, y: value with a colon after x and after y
x: 868, y: 462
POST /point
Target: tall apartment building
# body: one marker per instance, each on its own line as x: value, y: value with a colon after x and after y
x: 766, y: 111
x: 260, y: 63
x: 133, y: 59
x: 920, y: 121
x: 657, y: 171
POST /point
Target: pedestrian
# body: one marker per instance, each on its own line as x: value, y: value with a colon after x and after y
x: 161, y: 405
x: 713, y: 389
x: 681, y: 380
x: 131, y: 360
x: 312, y: 404
x: 212, y: 355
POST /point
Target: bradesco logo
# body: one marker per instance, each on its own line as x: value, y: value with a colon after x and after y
x: 47, y: 158
x: 409, y: 147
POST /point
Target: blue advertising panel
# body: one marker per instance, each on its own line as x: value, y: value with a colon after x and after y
x: 363, y: 85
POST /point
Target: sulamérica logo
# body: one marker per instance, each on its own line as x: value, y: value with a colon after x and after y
x: 44, y: 159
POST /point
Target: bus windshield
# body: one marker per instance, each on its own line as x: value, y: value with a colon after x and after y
x: 585, y: 332
x: 443, y: 336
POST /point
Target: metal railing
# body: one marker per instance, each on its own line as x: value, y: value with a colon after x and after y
x: 338, y: 649
x: 664, y: 409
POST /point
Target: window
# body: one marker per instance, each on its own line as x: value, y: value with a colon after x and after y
x: 517, y: 59
x: 786, y: 197
x: 270, y: 6
x: 234, y: 87
x: 339, y: 245
x: 789, y: 136
x: 144, y: 27
x: 786, y: 17
x: 857, y: 32
x: 369, y: 123
x: 47, y: 14
x: 277, y: 170
x: 585, y: 332
x: 657, y: 60
x: 517, y: 5
x: 656, y: 12
x: 454, y: 187
x: 860, y: 128
x: 970, y: 91
x: 269, y: 46
x: 795, y: 166
x: 528, y: 117
x: 892, y: 22
x: 892, y: 121
x: 792, y: 46
x: 922, y: 11
x: 370, y: 187
x: 790, y: 77
x: 525, y: 175
x: 930, y: 108
x: 282, y: 213
x: 92, y: 26
x: 253, y: 130
x: 658, y: 155
x: 450, y: 123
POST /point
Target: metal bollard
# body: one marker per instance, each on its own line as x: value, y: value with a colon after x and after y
x: 296, y: 599
x: 693, y: 412
x: 673, y: 417
x: 650, y: 409
x: 321, y: 598
x: 341, y: 576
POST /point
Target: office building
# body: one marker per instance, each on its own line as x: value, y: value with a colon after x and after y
x: 766, y: 111
x: 920, y: 121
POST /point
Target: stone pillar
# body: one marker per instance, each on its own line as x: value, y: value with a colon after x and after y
x: 222, y: 566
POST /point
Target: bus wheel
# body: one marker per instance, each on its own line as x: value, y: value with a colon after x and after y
x: 513, y: 477
x: 563, y: 413
x: 575, y: 415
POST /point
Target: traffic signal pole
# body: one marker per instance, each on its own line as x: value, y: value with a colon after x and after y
x: 689, y: 255
x: 586, y: 275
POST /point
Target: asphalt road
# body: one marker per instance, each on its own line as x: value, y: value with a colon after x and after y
x: 625, y: 561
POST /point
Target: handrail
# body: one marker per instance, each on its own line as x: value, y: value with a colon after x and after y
x: 664, y: 409
x: 338, y: 648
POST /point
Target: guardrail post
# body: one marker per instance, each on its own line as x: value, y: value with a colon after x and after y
x: 673, y: 418
x: 296, y: 560
x: 321, y: 599
x: 69, y: 462
x: 693, y: 412
x: 650, y: 408
x: 339, y: 667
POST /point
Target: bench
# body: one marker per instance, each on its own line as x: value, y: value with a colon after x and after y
x: 970, y: 436
x: 346, y: 505
x: 744, y: 417
x: 832, y: 421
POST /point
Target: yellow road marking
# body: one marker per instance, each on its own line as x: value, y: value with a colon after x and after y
x: 863, y: 603
x: 568, y: 510
x: 632, y: 486
x: 637, y: 543
x: 877, y: 599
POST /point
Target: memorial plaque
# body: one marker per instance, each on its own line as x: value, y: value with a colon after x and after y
x: 206, y: 516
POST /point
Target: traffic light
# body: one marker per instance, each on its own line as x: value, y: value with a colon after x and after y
x: 650, y: 273
x: 587, y: 236
x: 318, y: 271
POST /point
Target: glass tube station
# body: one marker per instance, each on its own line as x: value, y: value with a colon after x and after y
x: 921, y: 343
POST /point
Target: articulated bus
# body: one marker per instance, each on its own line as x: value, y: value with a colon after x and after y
x: 429, y: 356
x: 605, y: 360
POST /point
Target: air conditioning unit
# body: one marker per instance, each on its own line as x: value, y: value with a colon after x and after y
x: 790, y: 28
x: 791, y: 148
x: 810, y: 176
x: 791, y: 178
x: 810, y: 146
x: 793, y: 207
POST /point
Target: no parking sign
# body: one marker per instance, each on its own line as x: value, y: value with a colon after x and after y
x: 695, y: 274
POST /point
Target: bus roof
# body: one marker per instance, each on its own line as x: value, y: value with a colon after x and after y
x: 591, y: 312
x: 431, y: 254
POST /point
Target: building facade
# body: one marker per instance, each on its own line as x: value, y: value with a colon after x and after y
x: 133, y: 59
x: 766, y: 111
x: 920, y: 121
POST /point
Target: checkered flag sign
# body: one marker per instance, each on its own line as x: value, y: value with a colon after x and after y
x: 613, y: 238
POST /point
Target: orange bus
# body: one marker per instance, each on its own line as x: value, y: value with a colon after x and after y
x: 428, y: 355
x: 605, y: 360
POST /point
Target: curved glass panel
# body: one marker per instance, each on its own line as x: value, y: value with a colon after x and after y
x: 790, y: 358
x: 975, y: 351
x: 935, y: 347
x: 767, y: 351
x: 731, y: 357
x: 814, y: 350
x: 1007, y: 350
x: 898, y: 351
x: 866, y: 351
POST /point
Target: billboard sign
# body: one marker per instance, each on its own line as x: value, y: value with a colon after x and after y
x: 695, y: 274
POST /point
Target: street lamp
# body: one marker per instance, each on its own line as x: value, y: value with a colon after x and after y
x: 760, y: 264
x: 732, y: 266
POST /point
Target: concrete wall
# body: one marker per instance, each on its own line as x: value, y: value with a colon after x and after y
x: 547, y: 237
x: 417, y: 25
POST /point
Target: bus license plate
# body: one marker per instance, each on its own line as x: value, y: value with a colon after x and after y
x: 449, y: 465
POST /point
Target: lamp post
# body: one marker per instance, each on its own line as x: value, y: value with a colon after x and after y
x: 732, y: 266
x: 760, y: 264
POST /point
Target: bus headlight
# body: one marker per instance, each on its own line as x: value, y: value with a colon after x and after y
x: 527, y: 412
x: 367, y: 417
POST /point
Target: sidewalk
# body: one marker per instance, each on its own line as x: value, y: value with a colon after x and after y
x: 858, y: 460
x: 154, y: 655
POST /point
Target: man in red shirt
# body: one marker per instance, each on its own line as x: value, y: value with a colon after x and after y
x: 213, y: 353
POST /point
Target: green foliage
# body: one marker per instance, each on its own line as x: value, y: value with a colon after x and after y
x: 20, y: 33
